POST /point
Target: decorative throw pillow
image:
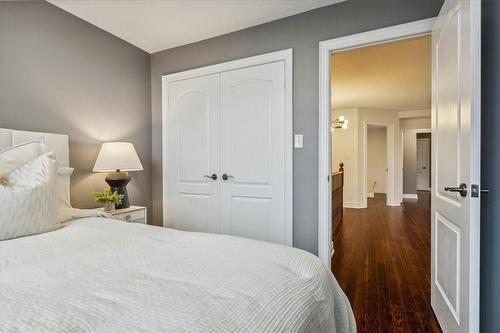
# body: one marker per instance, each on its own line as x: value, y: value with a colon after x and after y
x: 63, y: 186
x: 14, y: 156
x: 70, y: 214
x: 28, y: 203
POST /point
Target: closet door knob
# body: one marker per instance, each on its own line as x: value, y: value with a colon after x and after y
x: 213, y: 176
x: 226, y: 177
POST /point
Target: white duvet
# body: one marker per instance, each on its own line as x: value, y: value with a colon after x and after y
x: 102, y: 275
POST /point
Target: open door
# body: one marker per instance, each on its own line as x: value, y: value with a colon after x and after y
x: 456, y: 167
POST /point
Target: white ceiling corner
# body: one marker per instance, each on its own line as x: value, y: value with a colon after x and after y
x: 156, y: 25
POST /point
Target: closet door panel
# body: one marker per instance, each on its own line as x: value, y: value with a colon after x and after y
x: 251, y: 137
x: 193, y: 153
x: 253, y: 152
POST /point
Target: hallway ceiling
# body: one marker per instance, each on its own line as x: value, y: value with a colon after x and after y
x: 154, y: 25
x: 392, y: 76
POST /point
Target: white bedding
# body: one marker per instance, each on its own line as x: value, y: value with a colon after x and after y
x: 102, y: 275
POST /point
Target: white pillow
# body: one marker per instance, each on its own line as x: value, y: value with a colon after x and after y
x: 14, y: 156
x: 63, y: 186
x: 17, y: 155
x: 28, y: 201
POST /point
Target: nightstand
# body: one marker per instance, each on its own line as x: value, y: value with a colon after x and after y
x: 133, y: 214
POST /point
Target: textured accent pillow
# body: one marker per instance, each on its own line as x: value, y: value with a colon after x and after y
x: 63, y: 186
x: 70, y: 214
x: 28, y: 203
x: 14, y: 156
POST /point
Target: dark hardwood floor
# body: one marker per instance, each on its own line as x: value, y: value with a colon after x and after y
x: 382, y: 262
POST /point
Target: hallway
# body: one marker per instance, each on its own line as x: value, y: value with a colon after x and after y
x: 382, y: 262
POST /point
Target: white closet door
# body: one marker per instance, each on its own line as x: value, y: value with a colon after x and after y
x: 253, y: 152
x: 193, y: 199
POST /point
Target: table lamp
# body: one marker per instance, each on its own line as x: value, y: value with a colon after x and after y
x: 118, y: 158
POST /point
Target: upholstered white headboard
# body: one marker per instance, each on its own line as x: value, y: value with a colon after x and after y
x: 59, y: 143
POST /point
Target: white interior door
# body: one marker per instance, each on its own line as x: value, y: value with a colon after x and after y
x: 193, y: 198
x: 456, y: 156
x: 253, y: 152
x: 423, y: 155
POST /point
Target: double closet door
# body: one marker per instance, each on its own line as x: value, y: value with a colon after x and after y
x: 226, y: 153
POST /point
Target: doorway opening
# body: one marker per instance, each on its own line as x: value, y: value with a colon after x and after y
x: 376, y: 157
x: 416, y: 145
x: 383, y: 241
x: 424, y: 161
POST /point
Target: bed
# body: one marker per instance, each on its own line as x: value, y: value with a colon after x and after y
x: 96, y: 274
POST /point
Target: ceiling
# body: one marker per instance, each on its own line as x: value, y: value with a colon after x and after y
x: 155, y: 25
x: 392, y: 76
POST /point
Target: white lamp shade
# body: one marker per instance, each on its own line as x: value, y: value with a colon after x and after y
x: 117, y: 156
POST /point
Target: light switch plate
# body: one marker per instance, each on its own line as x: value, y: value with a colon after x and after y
x: 299, y: 141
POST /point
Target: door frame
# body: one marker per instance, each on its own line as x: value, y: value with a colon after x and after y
x: 390, y: 161
x: 286, y: 56
x: 417, y: 130
x: 326, y: 48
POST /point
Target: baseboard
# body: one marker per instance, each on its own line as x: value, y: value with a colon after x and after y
x: 356, y: 205
x: 410, y: 196
x: 371, y: 194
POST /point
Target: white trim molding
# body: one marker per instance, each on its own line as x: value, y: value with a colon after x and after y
x: 287, y: 57
x: 397, y: 32
x: 355, y: 205
x: 410, y: 196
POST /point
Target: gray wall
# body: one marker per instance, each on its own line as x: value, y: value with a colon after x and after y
x: 490, y: 176
x: 61, y: 74
x: 302, y: 33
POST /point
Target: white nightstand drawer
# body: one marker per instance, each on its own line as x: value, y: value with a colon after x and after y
x: 133, y: 216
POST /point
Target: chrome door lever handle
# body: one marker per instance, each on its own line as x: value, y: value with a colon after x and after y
x: 213, y: 176
x: 462, y: 189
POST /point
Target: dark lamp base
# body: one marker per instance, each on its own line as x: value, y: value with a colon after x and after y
x: 118, y: 183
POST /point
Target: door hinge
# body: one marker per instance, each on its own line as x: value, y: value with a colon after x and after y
x: 328, y: 178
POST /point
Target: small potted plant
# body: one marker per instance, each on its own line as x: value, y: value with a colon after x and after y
x: 109, y: 198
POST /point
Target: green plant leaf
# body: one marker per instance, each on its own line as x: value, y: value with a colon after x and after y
x: 108, y: 197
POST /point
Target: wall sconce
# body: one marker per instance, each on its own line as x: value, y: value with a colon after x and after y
x: 339, y: 123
